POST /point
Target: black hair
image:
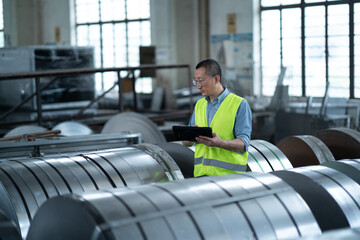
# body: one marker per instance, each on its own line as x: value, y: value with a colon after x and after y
x: 211, y: 66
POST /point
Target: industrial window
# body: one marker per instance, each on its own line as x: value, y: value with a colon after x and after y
x: 317, y: 42
x: 116, y: 29
x: 1, y: 25
x: 357, y: 49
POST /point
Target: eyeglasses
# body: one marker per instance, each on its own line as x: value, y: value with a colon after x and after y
x: 199, y: 82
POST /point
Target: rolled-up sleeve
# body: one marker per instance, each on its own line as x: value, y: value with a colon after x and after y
x: 243, y: 123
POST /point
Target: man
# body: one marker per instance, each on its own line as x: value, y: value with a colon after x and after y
x: 228, y: 115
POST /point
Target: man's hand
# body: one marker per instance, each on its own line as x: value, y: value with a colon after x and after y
x: 215, y: 141
x: 236, y: 145
x: 187, y: 143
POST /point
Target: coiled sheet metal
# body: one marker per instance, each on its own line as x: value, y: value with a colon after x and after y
x: 305, y: 150
x: 332, y: 196
x: 342, y: 142
x: 265, y: 157
x: 72, y: 128
x: 344, y: 234
x: 262, y: 157
x: 288, y: 204
x: 183, y: 156
x: 238, y: 206
x: 8, y: 230
x: 134, y: 123
x: 25, y: 129
x: 349, y: 167
x: 25, y: 184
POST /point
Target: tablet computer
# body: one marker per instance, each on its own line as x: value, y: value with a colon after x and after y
x: 189, y: 133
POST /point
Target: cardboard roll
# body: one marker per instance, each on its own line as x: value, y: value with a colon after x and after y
x: 343, y: 142
x: 134, y: 123
x: 305, y: 150
x: 265, y: 157
x: 25, y: 184
x: 237, y: 206
x: 72, y: 128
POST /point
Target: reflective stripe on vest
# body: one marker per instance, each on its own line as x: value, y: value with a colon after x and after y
x: 220, y: 164
x: 214, y: 160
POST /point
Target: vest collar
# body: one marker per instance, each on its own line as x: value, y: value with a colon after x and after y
x: 221, y: 97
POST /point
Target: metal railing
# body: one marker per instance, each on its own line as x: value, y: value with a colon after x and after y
x: 71, y: 72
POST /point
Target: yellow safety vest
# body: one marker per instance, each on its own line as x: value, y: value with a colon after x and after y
x: 212, y: 161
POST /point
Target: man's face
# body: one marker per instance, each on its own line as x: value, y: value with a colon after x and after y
x: 205, y: 83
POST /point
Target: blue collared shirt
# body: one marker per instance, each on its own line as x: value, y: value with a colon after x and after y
x: 243, y: 120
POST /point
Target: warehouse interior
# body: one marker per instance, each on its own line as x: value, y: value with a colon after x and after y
x: 90, y: 91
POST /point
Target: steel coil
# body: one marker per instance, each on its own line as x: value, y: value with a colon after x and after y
x: 183, y: 156
x: 25, y: 184
x: 332, y: 196
x: 134, y: 123
x: 72, y: 128
x: 344, y: 233
x: 343, y: 142
x: 287, y: 204
x: 305, y: 150
x: 265, y: 157
x: 238, y: 206
x: 262, y: 157
x: 26, y: 129
x: 8, y: 230
x: 349, y: 167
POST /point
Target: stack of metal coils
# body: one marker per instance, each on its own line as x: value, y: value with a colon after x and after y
x: 286, y: 204
x: 97, y: 194
x: 26, y: 183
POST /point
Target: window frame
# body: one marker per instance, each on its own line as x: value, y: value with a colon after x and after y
x: 302, y: 6
x: 2, y: 41
x: 101, y: 25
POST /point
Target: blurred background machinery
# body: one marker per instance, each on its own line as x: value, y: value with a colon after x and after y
x: 65, y: 92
